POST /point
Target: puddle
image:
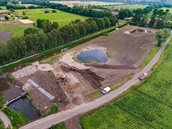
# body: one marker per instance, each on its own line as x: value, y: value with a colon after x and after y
x: 93, y: 56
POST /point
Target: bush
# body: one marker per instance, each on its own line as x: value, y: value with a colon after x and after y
x: 2, y: 101
x: 54, y: 108
x: 15, y: 117
x: 46, y: 11
x: 10, y: 78
x: 53, y: 11
x: 25, y: 17
x: 58, y: 126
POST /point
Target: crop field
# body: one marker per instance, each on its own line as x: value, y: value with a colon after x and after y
x: 61, y: 17
x: 124, y: 6
x: 147, y: 106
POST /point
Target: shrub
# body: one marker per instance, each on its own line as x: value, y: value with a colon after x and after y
x: 46, y: 11
x: 53, y: 11
x: 54, y: 108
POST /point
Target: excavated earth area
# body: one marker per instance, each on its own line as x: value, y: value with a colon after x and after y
x: 69, y: 81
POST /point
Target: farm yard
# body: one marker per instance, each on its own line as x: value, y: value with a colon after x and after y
x: 63, y: 18
x: 145, y: 106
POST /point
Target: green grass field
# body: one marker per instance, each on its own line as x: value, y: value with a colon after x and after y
x: 61, y: 17
x: 169, y: 9
x: 147, y: 106
x: 11, y: 30
x: 3, y: 7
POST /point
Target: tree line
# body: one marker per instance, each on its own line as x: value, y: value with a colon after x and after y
x: 77, y: 10
x: 161, y: 36
x: 29, y: 44
x: 151, y: 16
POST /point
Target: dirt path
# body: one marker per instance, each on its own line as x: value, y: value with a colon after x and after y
x: 6, y: 121
x: 73, y: 123
x: 48, y: 121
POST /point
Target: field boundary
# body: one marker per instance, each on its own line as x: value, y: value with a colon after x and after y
x: 58, y: 48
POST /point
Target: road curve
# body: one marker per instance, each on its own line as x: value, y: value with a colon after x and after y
x: 56, y: 118
x: 5, y: 120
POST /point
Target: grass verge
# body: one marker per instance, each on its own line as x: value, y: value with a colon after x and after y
x: 150, y: 57
x: 16, y: 118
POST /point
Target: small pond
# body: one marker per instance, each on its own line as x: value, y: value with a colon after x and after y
x: 93, y: 56
x: 24, y: 106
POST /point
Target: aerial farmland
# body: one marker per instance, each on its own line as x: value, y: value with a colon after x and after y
x: 14, y: 28
x: 85, y: 65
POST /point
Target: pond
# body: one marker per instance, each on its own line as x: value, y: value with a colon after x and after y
x: 93, y: 56
x: 24, y: 106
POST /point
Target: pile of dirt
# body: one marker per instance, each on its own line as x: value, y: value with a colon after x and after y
x: 49, y: 83
x: 90, y: 76
x: 107, y: 66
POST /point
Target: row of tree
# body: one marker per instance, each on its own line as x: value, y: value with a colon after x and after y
x: 16, y: 6
x: 162, y: 35
x: 30, y: 44
x: 150, y: 16
x: 47, y: 25
x: 77, y: 10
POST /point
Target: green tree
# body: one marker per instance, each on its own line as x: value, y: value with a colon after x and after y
x: 46, y: 26
x: 54, y: 25
x: 54, y: 108
x: 107, y: 22
x: 30, y: 31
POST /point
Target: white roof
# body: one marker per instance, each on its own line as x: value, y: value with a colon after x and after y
x: 26, y: 21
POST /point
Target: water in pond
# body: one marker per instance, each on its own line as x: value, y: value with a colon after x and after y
x: 93, y: 56
x: 25, y: 107
x: 22, y: 105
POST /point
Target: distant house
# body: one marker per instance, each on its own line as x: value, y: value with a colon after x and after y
x: 26, y: 21
x: 115, y: 13
x: 2, y: 16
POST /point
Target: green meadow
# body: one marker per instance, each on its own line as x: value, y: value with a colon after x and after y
x: 61, y: 17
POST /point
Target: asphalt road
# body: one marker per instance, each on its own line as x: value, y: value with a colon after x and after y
x: 56, y: 118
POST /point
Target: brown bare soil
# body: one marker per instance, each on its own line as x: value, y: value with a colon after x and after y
x: 48, y: 82
x: 71, y: 81
x: 4, y: 36
x: 73, y: 123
